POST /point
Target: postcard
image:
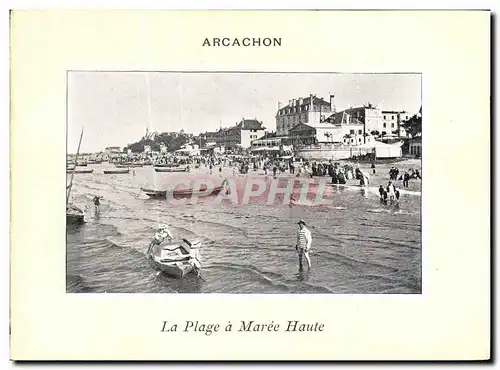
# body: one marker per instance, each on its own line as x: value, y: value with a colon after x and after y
x: 188, y: 186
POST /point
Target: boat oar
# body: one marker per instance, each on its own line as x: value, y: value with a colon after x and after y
x: 200, y: 277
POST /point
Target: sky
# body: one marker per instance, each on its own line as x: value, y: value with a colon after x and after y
x: 115, y: 108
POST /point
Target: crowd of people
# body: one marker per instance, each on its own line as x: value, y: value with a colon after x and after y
x: 406, y: 176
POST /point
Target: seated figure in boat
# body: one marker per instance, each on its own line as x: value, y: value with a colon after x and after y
x: 162, y: 234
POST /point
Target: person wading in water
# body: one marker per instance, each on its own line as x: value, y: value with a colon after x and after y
x: 303, y: 245
x: 97, y: 202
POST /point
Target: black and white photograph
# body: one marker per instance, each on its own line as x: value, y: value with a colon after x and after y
x: 243, y: 182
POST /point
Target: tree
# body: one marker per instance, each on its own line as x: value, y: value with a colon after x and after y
x: 413, y: 126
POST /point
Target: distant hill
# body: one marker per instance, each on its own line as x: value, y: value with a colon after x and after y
x: 172, y: 140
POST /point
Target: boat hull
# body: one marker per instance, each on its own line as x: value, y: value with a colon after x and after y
x: 167, y: 165
x: 170, y: 169
x: 155, y: 193
x: 74, y: 215
x: 180, y: 193
x: 128, y: 165
x: 176, y: 269
x: 172, y: 259
x: 74, y: 219
x: 116, y: 172
x: 80, y: 171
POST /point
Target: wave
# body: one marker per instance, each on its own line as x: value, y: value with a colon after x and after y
x: 272, y: 278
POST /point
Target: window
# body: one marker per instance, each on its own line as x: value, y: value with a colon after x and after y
x: 359, y: 139
x: 385, y: 125
x: 385, y: 117
x: 392, y: 125
x: 352, y: 131
x: 360, y: 132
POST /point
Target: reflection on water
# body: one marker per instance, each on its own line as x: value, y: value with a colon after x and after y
x: 359, y: 244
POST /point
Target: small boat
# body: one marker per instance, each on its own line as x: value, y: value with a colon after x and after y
x: 167, y: 165
x: 155, y: 193
x: 79, y: 171
x: 174, y: 259
x: 171, y: 169
x: 116, y: 172
x: 184, y: 193
x: 128, y: 165
x: 74, y: 215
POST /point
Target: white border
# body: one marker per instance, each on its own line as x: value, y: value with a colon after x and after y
x: 200, y: 4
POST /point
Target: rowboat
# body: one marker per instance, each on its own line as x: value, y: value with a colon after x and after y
x: 116, y: 172
x: 171, y: 169
x: 79, y: 171
x: 127, y: 165
x: 155, y: 193
x: 74, y: 215
x: 182, y: 193
x: 177, y: 259
x: 167, y: 165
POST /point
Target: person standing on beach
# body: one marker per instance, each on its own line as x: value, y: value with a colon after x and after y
x: 381, y: 191
x: 391, y: 191
x: 406, y: 179
x: 303, y: 245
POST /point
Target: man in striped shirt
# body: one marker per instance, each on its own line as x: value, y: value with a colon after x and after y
x: 304, y: 241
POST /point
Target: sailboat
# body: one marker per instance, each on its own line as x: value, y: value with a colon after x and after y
x: 74, y: 215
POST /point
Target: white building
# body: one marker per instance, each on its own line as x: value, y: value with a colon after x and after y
x: 392, y: 122
x: 189, y: 150
x: 241, y: 135
x: 379, y: 122
x: 302, y: 110
x: 351, y: 130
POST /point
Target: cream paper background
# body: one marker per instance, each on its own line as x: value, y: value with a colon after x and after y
x: 450, y: 320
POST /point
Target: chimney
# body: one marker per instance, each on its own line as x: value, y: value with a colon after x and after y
x: 311, y: 98
x: 293, y: 102
x: 279, y: 105
x: 290, y: 102
x: 332, y: 103
x: 301, y: 101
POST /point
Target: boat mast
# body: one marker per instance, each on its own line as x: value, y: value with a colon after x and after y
x: 74, y: 168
